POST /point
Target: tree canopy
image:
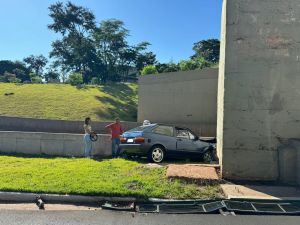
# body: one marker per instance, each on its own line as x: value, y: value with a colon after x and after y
x: 94, y: 50
x: 99, y: 52
x: 207, y: 49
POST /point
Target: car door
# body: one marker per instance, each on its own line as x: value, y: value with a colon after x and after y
x: 164, y: 135
x: 185, y: 143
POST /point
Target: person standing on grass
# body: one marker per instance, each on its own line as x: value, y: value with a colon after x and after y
x: 88, y: 145
x: 116, y: 131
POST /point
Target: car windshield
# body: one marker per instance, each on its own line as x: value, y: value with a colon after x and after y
x: 141, y: 128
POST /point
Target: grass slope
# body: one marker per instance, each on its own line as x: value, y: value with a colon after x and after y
x: 59, y: 101
x: 115, y: 177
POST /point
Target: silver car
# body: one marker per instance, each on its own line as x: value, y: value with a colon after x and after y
x: 161, y: 141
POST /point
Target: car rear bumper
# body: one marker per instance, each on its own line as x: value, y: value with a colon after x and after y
x: 138, y: 149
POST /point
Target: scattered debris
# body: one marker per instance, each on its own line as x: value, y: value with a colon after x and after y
x: 40, y: 203
x: 134, y: 185
x: 9, y: 93
x: 152, y: 165
x: 119, y: 206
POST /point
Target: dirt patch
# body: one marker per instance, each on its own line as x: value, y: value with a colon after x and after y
x: 134, y: 185
x: 199, y: 174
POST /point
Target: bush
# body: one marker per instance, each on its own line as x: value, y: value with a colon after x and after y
x: 36, y: 80
x: 9, y: 78
x: 75, y: 79
x: 150, y: 69
x: 188, y: 65
x: 95, y: 81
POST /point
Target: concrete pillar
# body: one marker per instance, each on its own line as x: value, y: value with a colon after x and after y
x: 259, y: 80
x: 298, y: 167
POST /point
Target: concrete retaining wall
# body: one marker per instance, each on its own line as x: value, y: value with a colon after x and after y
x: 187, y: 98
x: 258, y: 88
x: 53, y: 126
x: 53, y: 144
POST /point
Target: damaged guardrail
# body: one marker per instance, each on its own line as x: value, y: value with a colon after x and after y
x: 202, y: 207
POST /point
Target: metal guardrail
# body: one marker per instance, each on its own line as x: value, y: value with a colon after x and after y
x: 220, y: 206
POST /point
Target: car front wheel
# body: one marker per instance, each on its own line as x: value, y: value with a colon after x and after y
x: 156, y: 154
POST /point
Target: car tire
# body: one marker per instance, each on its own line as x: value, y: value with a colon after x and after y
x: 208, y: 157
x: 156, y: 154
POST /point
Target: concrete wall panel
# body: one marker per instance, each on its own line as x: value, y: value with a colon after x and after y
x: 258, y: 103
x: 53, y: 144
x: 183, y: 98
x: 54, y: 126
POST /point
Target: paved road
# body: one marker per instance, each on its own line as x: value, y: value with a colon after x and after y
x: 27, y: 217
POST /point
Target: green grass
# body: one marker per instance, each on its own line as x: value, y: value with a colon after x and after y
x: 59, y: 101
x: 115, y: 177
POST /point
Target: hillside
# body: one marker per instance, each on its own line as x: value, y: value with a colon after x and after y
x: 65, y: 102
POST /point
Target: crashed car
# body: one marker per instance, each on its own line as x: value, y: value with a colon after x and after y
x: 161, y: 141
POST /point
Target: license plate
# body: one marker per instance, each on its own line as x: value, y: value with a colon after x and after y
x: 130, y: 141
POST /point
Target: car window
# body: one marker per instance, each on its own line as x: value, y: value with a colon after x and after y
x: 140, y: 128
x: 192, y: 136
x: 164, y: 130
x: 183, y: 134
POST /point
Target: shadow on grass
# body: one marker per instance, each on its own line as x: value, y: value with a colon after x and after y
x: 122, y: 101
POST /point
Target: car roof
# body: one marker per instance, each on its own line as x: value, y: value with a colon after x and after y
x: 171, y: 125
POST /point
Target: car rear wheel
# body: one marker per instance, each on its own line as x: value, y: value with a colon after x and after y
x: 208, y: 157
x: 157, y: 154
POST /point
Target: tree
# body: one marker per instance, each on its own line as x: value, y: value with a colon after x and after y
x: 36, y: 64
x: 144, y: 58
x: 188, y: 65
x: 18, y: 68
x: 193, y: 64
x: 75, y: 79
x: 10, y: 78
x: 111, y: 46
x: 150, y: 69
x: 75, y: 51
x: 51, y: 75
x: 167, y: 67
x: 208, y: 49
x: 36, y: 80
x: 100, y: 51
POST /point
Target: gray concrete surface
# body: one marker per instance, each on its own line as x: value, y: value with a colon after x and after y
x: 298, y: 168
x: 289, y: 169
x: 54, y: 126
x: 186, y: 98
x: 53, y: 144
x: 48, y: 207
x: 258, y: 102
x: 97, y: 217
x: 266, y: 192
x: 20, y: 197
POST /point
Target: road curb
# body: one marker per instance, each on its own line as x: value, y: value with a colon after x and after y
x: 19, y: 197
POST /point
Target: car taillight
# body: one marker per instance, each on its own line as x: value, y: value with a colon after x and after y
x: 139, y: 140
x: 123, y: 140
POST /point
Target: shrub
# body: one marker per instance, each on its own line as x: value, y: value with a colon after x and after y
x: 75, y: 79
x: 95, y: 81
x: 36, y: 80
x: 10, y: 78
x: 150, y: 69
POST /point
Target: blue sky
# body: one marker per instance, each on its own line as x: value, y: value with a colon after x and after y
x: 171, y: 26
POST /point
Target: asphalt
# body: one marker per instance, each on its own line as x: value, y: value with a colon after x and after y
x: 103, y: 217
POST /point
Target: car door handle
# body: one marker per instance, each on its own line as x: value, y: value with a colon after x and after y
x: 179, y: 139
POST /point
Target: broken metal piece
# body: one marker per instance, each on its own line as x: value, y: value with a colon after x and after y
x: 40, y: 203
x: 119, y: 207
